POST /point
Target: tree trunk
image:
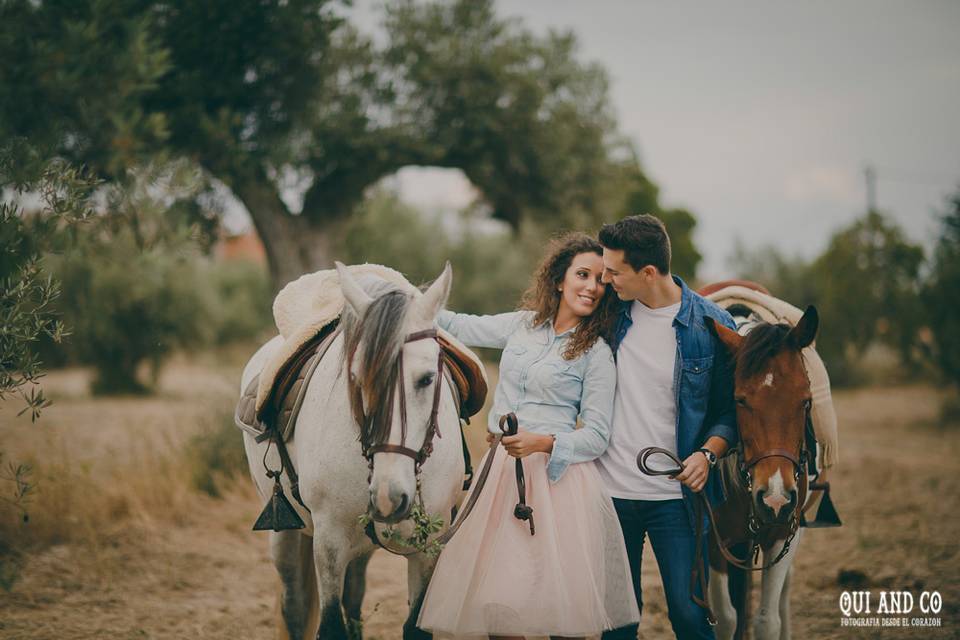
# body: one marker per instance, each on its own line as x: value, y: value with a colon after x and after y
x: 294, y: 245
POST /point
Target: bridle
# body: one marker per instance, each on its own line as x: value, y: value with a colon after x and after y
x: 755, y: 525
x: 419, y: 456
x: 433, y: 427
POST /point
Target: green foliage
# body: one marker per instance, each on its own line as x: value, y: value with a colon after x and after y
x: 242, y: 300
x: 941, y: 292
x: 425, y: 525
x: 643, y: 196
x: 787, y: 278
x: 216, y: 455
x: 129, y: 304
x: 868, y: 282
x: 263, y: 95
x: 491, y: 269
x: 27, y: 295
x: 865, y: 285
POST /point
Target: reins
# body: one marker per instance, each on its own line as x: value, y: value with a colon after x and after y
x: 698, y: 573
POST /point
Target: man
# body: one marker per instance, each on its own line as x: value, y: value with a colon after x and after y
x: 674, y: 390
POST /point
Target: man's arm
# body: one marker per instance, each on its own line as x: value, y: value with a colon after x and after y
x: 720, y: 422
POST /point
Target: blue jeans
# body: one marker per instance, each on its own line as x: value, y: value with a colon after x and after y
x: 674, y: 542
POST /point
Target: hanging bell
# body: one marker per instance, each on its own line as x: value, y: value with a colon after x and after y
x: 278, y: 514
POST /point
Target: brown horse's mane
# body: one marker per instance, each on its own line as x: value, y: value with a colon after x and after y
x: 763, y: 342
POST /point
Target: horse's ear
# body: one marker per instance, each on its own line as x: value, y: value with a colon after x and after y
x: 806, y: 330
x: 353, y: 293
x: 728, y: 337
x: 435, y: 297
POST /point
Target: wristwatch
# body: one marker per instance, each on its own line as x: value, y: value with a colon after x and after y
x: 711, y: 456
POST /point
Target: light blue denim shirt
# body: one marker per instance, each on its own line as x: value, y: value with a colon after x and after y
x: 545, y: 391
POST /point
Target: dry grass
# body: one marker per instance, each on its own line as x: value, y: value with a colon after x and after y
x: 121, y: 544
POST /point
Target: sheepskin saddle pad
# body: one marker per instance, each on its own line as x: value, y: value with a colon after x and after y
x: 307, y: 312
x: 750, y: 304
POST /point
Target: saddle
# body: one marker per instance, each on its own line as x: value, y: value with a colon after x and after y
x: 749, y: 304
x: 307, y: 313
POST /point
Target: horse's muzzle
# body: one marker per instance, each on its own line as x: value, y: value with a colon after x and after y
x: 390, y: 506
x: 775, y: 508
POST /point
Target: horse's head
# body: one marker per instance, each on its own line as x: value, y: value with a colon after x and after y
x: 394, y: 375
x: 773, y: 400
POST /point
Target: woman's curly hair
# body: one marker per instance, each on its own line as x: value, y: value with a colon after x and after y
x: 543, y: 297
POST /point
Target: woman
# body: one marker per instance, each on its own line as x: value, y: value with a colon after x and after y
x: 570, y: 579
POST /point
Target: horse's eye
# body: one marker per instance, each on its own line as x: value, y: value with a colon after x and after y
x: 741, y: 401
x: 425, y: 381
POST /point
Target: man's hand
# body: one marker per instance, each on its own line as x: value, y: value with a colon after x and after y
x: 525, y: 443
x: 695, y: 471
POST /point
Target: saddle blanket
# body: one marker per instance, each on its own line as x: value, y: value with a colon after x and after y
x: 748, y: 307
x: 308, y: 304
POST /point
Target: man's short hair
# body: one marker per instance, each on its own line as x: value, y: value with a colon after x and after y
x: 643, y: 240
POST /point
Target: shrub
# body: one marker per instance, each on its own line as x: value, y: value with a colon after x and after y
x: 129, y: 305
x: 216, y: 455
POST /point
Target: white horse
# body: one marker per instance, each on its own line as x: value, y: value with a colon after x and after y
x: 322, y: 567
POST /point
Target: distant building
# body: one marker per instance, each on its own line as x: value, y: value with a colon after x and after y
x: 244, y: 246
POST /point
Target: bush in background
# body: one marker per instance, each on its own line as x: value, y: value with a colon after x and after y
x: 241, y: 300
x: 128, y: 304
x: 216, y: 455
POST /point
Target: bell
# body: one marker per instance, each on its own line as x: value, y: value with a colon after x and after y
x: 827, y: 515
x: 278, y: 514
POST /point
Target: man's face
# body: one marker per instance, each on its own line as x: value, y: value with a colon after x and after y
x: 629, y: 284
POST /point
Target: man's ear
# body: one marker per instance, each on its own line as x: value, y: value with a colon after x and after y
x: 728, y: 337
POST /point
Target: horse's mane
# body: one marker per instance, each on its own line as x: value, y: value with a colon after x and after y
x: 763, y: 342
x: 380, y: 331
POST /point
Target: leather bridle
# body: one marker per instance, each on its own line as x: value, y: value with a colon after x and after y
x: 433, y: 426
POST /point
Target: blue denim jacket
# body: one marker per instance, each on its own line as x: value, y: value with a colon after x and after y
x: 546, y: 392
x: 703, y: 380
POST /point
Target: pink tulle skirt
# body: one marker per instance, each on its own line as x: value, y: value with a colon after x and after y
x: 570, y: 579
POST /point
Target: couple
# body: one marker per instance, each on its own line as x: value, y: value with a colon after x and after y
x: 609, y: 336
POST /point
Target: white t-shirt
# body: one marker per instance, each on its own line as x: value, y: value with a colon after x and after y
x: 644, y: 409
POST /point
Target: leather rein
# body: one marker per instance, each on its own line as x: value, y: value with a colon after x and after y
x: 755, y: 526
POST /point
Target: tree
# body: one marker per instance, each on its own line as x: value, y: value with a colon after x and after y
x: 27, y: 294
x: 643, y: 196
x: 942, y: 290
x: 868, y: 282
x: 283, y: 95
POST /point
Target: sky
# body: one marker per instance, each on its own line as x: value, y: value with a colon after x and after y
x: 760, y: 117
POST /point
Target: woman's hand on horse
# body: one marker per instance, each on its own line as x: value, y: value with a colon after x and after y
x: 695, y: 471
x: 525, y: 443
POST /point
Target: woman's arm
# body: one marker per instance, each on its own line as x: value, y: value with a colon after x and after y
x: 481, y: 331
x: 596, y: 415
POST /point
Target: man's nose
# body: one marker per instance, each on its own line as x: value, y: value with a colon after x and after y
x: 605, y: 277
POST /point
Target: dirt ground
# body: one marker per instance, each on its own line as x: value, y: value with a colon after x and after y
x: 155, y: 559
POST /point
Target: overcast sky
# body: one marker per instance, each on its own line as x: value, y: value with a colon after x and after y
x: 760, y: 116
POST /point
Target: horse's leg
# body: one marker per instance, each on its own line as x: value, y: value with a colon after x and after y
x: 293, y: 559
x: 419, y: 569
x: 785, y: 606
x: 718, y: 598
x: 354, y: 586
x: 768, y: 623
x: 331, y: 562
x: 740, y: 586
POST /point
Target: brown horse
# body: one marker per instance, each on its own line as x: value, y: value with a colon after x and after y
x: 765, y: 476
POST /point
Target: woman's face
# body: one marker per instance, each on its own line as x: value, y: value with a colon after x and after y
x: 581, y: 289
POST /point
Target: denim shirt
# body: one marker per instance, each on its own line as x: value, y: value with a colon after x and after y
x: 545, y: 391
x: 703, y: 380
